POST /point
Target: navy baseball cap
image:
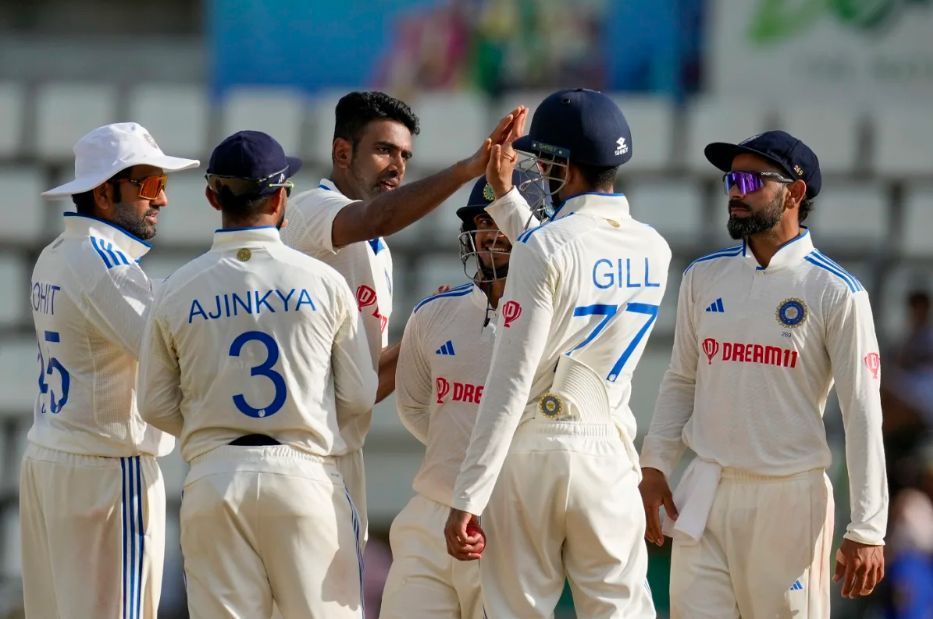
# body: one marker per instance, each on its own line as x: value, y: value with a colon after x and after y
x: 252, y: 156
x: 482, y: 195
x: 780, y: 148
x: 582, y: 125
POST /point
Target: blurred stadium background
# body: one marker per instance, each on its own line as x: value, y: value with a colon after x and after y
x: 852, y: 78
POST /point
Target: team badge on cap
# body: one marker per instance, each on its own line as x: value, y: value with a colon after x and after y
x: 488, y: 193
x: 550, y: 406
x: 792, y: 313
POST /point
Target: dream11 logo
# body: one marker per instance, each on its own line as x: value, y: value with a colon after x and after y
x: 510, y: 312
x: 443, y: 388
x: 710, y: 347
x: 366, y: 296
x: 873, y: 363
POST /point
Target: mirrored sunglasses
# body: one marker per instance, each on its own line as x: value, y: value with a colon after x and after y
x: 748, y: 182
x: 148, y: 188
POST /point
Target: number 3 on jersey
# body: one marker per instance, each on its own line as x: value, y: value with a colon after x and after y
x: 263, y: 369
x: 608, y: 312
x: 55, y: 404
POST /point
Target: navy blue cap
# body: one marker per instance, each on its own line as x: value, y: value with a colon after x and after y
x: 780, y: 148
x: 252, y: 155
x: 585, y: 126
x: 482, y: 195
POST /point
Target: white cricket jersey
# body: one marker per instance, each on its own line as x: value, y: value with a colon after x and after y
x: 588, y: 283
x: 254, y: 337
x: 442, y: 367
x: 367, y: 266
x: 89, y: 302
x: 755, y: 354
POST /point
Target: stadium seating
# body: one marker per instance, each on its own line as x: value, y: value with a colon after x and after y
x: 15, y: 284
x: 651, y: 120
x: 177, y: 116
x: 902, y: 138
x: 917, y: 238
x: 452, y: 127
x: 280, y: 113
x: 673, y: 208
x: 851, y: 213
x: 718, y: 119
x: 23, y: 213
x: 833, y: 131
x: 66, y: 111
x: 12, y: 117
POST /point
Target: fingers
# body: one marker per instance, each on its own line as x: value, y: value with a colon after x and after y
x: 504, y: 126
x: 518, y: 127
x: 460, y: 544
x: 653, y: 526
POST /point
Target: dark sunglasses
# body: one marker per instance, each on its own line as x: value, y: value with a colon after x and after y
x: 748, y: 182
x: 149, y: 188
x: 247, y: 186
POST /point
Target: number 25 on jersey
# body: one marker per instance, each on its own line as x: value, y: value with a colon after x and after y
x: 52, y: 400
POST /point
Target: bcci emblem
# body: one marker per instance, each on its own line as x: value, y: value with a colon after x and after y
x: 150, y: 140
x: 791, y: 313
x: 550, y: 406
x: 488, y: 194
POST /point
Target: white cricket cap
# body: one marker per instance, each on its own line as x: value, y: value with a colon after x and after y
x: 109, y: 149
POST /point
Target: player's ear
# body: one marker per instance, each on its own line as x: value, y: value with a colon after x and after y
x: 797, y: 192
x: 212, y: 198
x: 341, y: 153
x: 103, y: 197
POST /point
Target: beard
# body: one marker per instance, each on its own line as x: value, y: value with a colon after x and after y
x: 136, y: 225
x: 753, y: 223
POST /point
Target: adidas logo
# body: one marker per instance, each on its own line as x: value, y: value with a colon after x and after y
x: 446, y: 349
x: 797, y: 586
x: 716, y: 306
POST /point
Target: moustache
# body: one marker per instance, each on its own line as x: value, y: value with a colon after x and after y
x: 736, y: 203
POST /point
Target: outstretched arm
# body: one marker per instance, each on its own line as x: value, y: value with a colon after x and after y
x: 392, y: 211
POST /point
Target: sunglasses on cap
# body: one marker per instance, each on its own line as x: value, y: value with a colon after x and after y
x: 748, y: 182
x: 247, y: 186
x: 149, y: 188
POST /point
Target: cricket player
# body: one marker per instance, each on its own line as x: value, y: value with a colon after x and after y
x: 551, y: 466
x: 92, y: 502
x: 343, y: 220
x: 443, y: 362
x: 763, y: 330
x: 252, y: 353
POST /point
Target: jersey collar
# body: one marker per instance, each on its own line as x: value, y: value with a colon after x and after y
x: 602, y: 205
x: 790, y: 253
x: 328, y: 185
x: 229, y: 238
x: 78, y: 225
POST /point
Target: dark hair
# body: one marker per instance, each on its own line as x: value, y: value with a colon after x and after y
x: 597, y: 176
x: 241, y: 209
x: 84, y: 201
x: 806, y: 205
x: 357, y: 109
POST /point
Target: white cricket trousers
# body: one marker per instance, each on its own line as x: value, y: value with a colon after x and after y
x: 351, y: 467
x: 93, y: 535
x: 424, y: 581
x: 764, y: 553
x: 566, y: 504
x: 264, y: 525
